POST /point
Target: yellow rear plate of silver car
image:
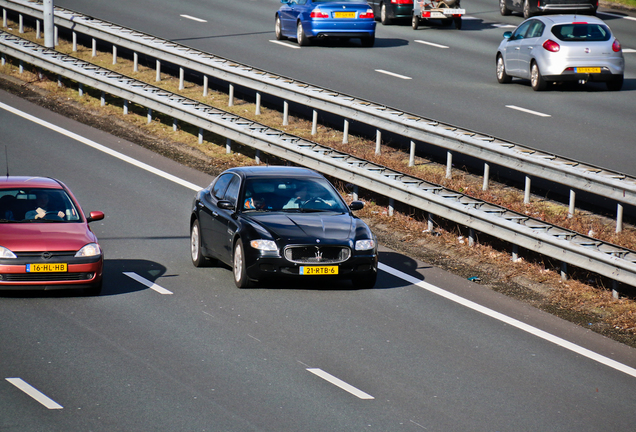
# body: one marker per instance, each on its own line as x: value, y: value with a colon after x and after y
x: 47, y: 268
x: 318, y: 270
x: 344, y: 14
x: 587, y: 70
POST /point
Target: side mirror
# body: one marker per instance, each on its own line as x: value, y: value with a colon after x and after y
x: 95, y: 216
x: 356, y: 205
x: 507, y: 35
x: 225, y: 205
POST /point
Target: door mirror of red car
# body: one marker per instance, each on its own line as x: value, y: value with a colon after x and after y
x: 95, y: 216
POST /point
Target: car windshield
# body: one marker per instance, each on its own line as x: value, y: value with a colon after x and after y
x: 36, y: 205
x: 291, y: 195
x: 581, y: 32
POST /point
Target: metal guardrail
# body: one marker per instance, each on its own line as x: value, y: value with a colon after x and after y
x: 571, y: 173
x: 567, y: 246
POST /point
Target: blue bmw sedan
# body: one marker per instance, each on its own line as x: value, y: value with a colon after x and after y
x: 307, y: 20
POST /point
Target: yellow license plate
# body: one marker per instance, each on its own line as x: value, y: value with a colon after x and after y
x: 587, y: 70
x: 46, y: 268
x: 319, y: 270
x: 344, y: 14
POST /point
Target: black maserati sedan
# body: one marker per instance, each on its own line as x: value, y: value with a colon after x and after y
x: 277, y: 222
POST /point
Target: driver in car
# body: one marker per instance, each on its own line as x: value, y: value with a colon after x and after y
x: 42, y: 202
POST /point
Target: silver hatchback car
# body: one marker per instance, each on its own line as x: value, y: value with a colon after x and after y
x: 559, y: 48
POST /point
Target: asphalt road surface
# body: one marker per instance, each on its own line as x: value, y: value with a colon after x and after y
x: 170, y: 347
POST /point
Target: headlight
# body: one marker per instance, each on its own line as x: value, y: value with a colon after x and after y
x: 365, y: 245
x: 91, y: 249
x: 264, y: 245
x: 6, y: 253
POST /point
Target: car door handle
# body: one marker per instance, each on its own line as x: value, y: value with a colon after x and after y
x: 200, y: 204
x: 215, y: 214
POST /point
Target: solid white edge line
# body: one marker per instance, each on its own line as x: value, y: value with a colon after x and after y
x: 339, y: 383
x: 525, y: 110
x: 382, y: 71
x: 194, y: 18
x: 101, y: 148
x: 285, y: 44
x: 34, y: 393
x: 149, y: 284
x: 511, y: 321
x: 431, y: 44
x: 629, y: 50
x: 616, y: 15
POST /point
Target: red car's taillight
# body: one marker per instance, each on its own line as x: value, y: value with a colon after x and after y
x: 616, y: 46
x: 317, y: 13
x: 368, y: 14
x: 551, y: 45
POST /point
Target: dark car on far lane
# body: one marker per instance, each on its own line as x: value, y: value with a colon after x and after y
x: 281, y: 223
x: 389, y: 10
x: 531, y: 8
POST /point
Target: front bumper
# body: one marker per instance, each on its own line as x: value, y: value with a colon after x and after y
x: 81, y: 273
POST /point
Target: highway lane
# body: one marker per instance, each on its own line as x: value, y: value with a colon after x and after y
x: 211, y: 357
x: 455, y: 84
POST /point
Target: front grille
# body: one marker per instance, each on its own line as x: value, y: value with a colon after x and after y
x: 53, y: 254
x: 45, y: 277
x: 317, y: 254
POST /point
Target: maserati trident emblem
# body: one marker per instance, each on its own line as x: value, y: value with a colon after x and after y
x: 318, y: 256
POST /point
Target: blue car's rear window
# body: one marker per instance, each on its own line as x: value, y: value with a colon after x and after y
x: 582, y: 32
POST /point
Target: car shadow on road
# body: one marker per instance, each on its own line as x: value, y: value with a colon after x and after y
x: 629, y: 84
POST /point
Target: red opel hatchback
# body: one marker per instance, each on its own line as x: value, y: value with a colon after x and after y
x: 45, y: 240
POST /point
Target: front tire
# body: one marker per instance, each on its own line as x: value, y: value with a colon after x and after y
x: 415, y: 22
x: 278, y: 29
x: 502, y: 76
x: 536, y: 79
x: 302, y: 38
x: 503, y: 8
x: 196, y: 251
x: 240, y: 267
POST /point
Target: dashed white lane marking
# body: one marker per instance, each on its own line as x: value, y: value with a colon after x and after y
x: 511, y: 321
x: 629, y: 50
x: 34, y: 393
x: 382, y: 71
x: 193, y: 18
x: 339, y: 383
x: 537, y: 113
x: 285, y: 44
x: 149, y: 284
x: 431, y: 44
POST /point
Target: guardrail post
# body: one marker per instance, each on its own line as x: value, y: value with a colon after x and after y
x: 228, y: 146
x: 102, y: 99
x: 94, y: 47
x: 257, y: 157
x: 200, y: 135
x: 515, y: 253
x: 56, y: 36
x: 37, y: 29
x: 430, y: 223
x: 80, y: 89
x: 564, y: 271
x: 412, y: 154
x: 21, y: 68
x: 59, y: 80
x: 206, y: 81
x: 149, y: 115
x: 125, y: 106
x: 175, y: 124
x: 471, y: 237
x: 355, y: 192
x: 485, y: 185
x: 285, y: 113
x: 378, y: 141
x: 135, y: 62
x: 314, y: 123
x: 74, y: 41
x: 20, y: 24
x: 3, y: 59
x: 619, y: 218
x: 615, y: 289
x: 4, y: 18
x: 449, y: 165
x: 230, y: 101
x: 114, y: 54
x: 158, y: 76
x: 258, y: 104
x: 526, y: 192
x: 572, y: 200
x: 391, y: 206
x: 181, y: 78
x: 345, y: 132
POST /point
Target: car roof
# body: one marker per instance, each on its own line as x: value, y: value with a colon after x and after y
x: 571, y: 18
x: 29, y: 182
x: 274, y: 171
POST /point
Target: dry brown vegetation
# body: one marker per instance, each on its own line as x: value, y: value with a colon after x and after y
x: 585, y: 298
